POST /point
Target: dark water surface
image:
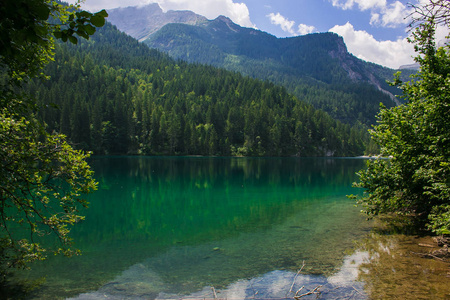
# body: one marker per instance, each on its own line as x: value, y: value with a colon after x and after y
x: 214, y: 227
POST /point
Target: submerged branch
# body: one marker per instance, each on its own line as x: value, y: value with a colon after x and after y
x: 297, y: 296
x: 295, y: 278
x: 314, y: 291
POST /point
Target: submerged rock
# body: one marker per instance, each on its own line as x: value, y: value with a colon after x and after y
x: 137, y: 282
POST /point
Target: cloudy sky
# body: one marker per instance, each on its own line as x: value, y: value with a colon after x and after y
x: 374, y: 30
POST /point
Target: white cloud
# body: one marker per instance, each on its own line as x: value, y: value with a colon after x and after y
x: 382, y: 13
x: 375, y: 19
x: 395, y: 14
x: 441, y: 35
x: 362, y: 4
x: 363, y: 45
x: 285, y: 24
x: 288, y: 26
x: 238, y: 12
x: 211, y: 9
x: 305, y: 29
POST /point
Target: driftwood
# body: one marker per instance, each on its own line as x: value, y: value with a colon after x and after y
x: 296, y: 275
x: 429, y: 255
x: 442, y: 241
x: 442, y: 254
x: 426, y: 245
x: 297, y: 294
x: 314, y: 291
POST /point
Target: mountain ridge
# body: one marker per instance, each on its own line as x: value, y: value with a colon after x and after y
x: 302, y: 64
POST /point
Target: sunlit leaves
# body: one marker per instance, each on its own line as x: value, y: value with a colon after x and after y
x: 43, y: 180
x: 415, y: 180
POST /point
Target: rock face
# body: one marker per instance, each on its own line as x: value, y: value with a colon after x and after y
x: 142, y: 21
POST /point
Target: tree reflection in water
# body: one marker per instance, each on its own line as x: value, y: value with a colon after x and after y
x: 394, y: 269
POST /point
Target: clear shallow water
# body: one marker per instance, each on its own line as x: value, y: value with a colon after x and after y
x: 188, y: 227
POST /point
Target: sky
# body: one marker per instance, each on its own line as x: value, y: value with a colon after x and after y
x: 373, y: 30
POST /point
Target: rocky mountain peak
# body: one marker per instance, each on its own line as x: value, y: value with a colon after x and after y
x: 142, y: 21
x: 224, y: 19
x: 222, y: 22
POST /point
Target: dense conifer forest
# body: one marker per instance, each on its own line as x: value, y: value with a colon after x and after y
x: 113, y: 95
x: 315, y: 68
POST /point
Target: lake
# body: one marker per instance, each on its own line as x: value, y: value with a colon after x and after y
x: 198, y: 227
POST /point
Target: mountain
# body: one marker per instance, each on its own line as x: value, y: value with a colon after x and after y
x: 414, y: 66
x: 316, y: 68
x: 142, y: 21
x: 114, y: 95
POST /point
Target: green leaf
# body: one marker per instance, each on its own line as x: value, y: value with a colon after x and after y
x: 82, y: 34
x: 84, y: 14
x: 89, y: 29
x: 42, y: 11
x: 98, y: 21
x: 57, y: 34
x: 102, y: 13
x: 73, y: 39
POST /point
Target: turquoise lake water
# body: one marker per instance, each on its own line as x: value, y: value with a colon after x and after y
x: 196, y: 227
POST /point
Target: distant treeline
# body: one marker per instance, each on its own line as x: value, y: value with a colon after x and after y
x: 113, y: 95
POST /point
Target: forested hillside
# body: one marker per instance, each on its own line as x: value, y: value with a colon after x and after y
x: 316, y: 68
x: 113, y: 95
